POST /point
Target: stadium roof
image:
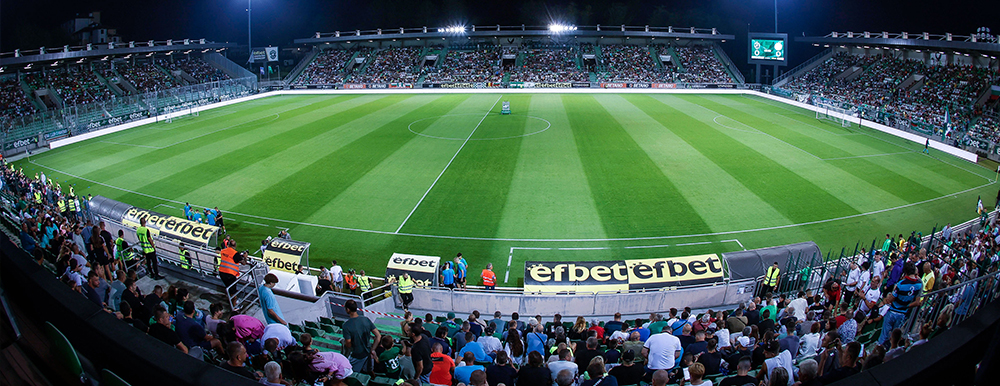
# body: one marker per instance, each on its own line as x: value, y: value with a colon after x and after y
x: 67, y: 53
x: 904, y: 40
x: 497, y: 31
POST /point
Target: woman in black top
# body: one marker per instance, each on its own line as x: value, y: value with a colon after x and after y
x: 535, y: 373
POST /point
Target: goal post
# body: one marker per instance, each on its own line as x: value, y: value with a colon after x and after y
x: 835, y: 114
x: 181, y: 112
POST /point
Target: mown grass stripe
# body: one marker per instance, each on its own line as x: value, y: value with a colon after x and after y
x: 313, y: 186
x: 182, y: 182
x: 795, y: 197
x: 866, y: 169
x: 633, y: 196
x: 469, y: 197
x: 217, y: 143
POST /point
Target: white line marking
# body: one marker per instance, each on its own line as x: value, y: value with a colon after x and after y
x: 734, y: 232
x: 584, y: 249
x: 531, y: 248
x: 276, y: 117
x: 168, y: 206
x: 449, y: 164
x: 647, y: 246
x: 256, y: 223
x: 510, y: 257
x: 410, y: 128
x: 737, y: 242
x: 698, y: 243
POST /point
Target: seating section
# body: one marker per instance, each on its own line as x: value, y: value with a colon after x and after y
x: 701, y: 65
x: 78, y: 85
x: 145, y: 76
x: 900, y: 90
x: 482, y: 65
x: 550, y: 66
x: 626, y: 63
x: 199, y: 69
x: 326, y: 68
x: 391, y: 65
x: 13, y: 102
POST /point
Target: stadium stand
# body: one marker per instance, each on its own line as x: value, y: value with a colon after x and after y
x: 553, y: 65
x: 78, y: 85
x: 628, y: 63
x: 701, y: 65
x: 13, y: 102
x: 476, y: 65
x: 876, y: 309
x: 145, y: 76
x: 327, y: 68
x: 391, y: 65
x: 197, y: 68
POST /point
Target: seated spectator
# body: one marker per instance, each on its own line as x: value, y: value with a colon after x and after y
x: 698, y: 346
x: 192, y: 334
x: 628, y: 373
x: 848, y: 359
x: 237, y: 361
x: 443, y: 367
x: 565, y: 362
x: 272, y: 375
x: 162, y: 330
x: 711, y: 358
x: 501, y: 371
x: 584, y: 356
x: 597, y: 375
x: 697, y: 372
x: 776, y: 358
x: 742, y: 376
x: 462, y: 373
x: 475, y: 349
x: 535, y: 373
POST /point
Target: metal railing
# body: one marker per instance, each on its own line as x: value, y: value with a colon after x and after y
x: 501, y: 28
x: 110, y: 45
x: 966, y: 298
x: 915, y: 36
x: 242, y: 293
x: 781, y: 79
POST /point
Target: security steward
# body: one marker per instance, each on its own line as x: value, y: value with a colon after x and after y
x: 489, y: 278
x: 771, y: 278
x: 364, y: 282
x: 148, y: 250
x: 351, y: 281
x: 405, y: 287
x: 229, y: 268
x: 184, y: 255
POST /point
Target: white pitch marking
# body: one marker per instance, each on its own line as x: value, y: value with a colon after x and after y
x: 256, y: 223
x: 276, y: 117
x: 510, y: 257
x: 647, y: 246
x: 698, y: 243
x: 449, y: 164
x: 734, y: 232
x: 737, y: 242
x: 584, y: 249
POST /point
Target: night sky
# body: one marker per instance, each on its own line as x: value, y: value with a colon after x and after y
x: 33, y: 23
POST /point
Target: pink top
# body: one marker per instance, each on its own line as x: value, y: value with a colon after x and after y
x: 247, y: 327
x: 328, y: 361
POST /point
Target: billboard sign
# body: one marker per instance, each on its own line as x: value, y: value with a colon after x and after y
x: 621, y: 275
x: 422, y: 269
x: 285, y: 255
x: 768, y: 49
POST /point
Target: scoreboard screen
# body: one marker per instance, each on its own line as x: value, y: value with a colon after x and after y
x: 768, y: 49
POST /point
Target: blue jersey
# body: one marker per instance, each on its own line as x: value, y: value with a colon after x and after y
x: 449, y: 276
x: 906, y: 292
x: 462, y: 268
x: 211, y: 218
x: 187, y: 211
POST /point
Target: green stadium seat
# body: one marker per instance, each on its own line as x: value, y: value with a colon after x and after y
x: 312, y: 324
x: 315, y: 332
x: 296, y: 328
x: 383, y: 381
x: 358, y: 379
x: 67, y: 358
x: 325, y: 320
x: 338, y: 323
x: 109, y: 378
x: 328, y: 328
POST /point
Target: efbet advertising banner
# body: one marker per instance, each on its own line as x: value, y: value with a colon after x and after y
x: 422, y: 269
x: 180, y: 229
x: 264, y: 54
x: 621, y: 275
x: 285, y: 255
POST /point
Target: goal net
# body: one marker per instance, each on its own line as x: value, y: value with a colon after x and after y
x: 836, y: 114
x: 181, y: 112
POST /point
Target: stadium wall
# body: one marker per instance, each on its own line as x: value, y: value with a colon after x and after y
x: 966, y: 155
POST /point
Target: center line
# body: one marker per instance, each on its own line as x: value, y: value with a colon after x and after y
x: 449, y: 163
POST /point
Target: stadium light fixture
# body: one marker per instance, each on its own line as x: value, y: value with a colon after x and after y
x: 457, y: 29
x: 557, y: 28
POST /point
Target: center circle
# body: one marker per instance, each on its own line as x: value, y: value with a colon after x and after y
x: 457, y: 127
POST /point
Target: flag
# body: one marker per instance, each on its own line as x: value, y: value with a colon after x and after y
x: 947, y: 123
x: 270, y: 70
x: 979, y: 206
x: 262, y: 70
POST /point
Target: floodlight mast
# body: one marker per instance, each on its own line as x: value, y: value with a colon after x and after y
x: 249, y: 44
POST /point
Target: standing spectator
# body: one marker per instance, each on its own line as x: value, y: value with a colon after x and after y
x: 269, y: 303
x: 359, y: 343
x: 853, y: 281
x: 448, y: 276
x: 421, y: 353
x: 904, y: 296
x: 489, y: 278
x: 337, y: 276
x: 461, y: 270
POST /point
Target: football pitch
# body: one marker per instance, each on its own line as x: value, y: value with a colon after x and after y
x: 567, y: 177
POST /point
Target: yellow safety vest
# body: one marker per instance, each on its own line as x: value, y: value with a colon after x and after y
x: 62, y: 205
x: 185, y: 259
x: 143, y: 235
x: 364, y: 282
x: 771, y: 279
x: 72, y: 204
x: 405, y: 285
x: 38, y: 197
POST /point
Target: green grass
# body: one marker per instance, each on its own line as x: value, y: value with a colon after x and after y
x: 591, y: 174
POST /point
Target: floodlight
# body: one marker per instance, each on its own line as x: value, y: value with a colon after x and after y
x: 460, y: 29
x: 556, y: 27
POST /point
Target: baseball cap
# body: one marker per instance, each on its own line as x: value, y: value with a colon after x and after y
x: 743, y: 341
x: 451, y: 315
